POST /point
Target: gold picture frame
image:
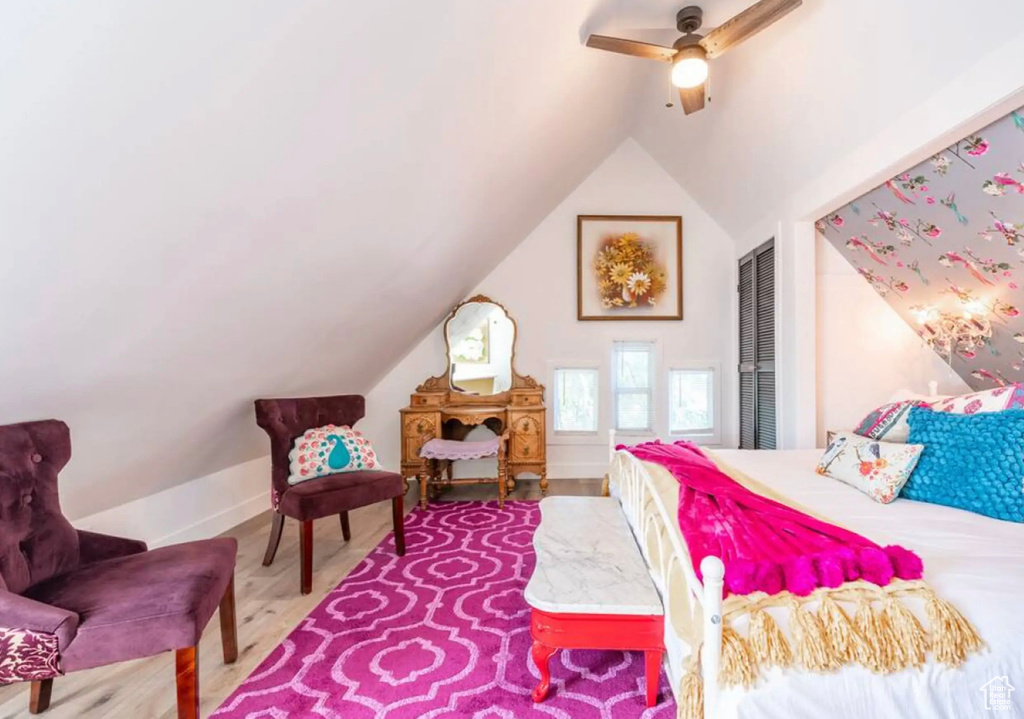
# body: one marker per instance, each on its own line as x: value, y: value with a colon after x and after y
x: 629, y: 267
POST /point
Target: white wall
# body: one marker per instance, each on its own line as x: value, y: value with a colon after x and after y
x: 201, y: 508
x: 537, y: 283
x: 866, y: 351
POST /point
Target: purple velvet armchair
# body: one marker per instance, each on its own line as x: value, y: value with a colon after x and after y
x: 72, y: 600
x: 285, y: 420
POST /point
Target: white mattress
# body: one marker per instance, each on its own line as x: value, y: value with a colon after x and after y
x: 973, y: 561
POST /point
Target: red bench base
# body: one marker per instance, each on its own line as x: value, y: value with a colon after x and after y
x: 624, y: 632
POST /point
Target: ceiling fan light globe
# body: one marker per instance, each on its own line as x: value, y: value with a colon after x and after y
x: 689, y: 72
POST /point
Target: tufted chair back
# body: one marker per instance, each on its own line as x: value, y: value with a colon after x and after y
x: 36, y: 541
x: 286, y: 419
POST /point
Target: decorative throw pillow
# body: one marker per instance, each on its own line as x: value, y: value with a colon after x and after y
x: 878, y: 469
x: 991, y: 400
x: 889, y: 422
x: 329, y: 450
x: 970, y: 461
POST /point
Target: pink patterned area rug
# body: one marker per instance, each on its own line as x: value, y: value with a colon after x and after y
x: 443, y: 632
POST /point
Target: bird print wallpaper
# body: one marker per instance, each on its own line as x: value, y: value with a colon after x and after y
x: 945, y: 239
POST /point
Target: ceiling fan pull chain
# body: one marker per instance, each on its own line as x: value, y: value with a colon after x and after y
x: 671, y: 93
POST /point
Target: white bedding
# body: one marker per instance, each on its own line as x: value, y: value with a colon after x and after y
x: 973, y: 561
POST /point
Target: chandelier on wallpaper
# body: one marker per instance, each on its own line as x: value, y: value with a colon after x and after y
x: 961, y: 332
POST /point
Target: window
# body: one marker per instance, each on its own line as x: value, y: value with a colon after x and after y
x: 632, y: 382
x: 691, y: 401
x: 575, y: 399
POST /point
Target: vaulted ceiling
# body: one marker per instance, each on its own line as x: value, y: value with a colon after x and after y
x: 808, y: 92
x: 202, y: 203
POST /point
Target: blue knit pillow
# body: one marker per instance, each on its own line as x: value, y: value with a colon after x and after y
x: 970, y: 461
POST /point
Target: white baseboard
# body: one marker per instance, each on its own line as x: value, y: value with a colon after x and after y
x: 577, y: 470
x: 198, y: 509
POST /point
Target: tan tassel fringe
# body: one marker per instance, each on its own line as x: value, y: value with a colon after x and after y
x: 812, y: 647
x: 842, y: 637
x: 739, y: 665
x: 691, y: 692
x: 769, y: 644
x: 953, y: 637
x: 873, y: 653
x: 910, y: 645
x: 885, y: 640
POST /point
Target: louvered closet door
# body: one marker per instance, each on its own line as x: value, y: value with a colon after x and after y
x: 757, y: 348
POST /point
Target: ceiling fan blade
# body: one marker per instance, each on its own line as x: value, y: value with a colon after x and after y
x: 692, y: 98
x: 631, y: 47
x: 748, y: 23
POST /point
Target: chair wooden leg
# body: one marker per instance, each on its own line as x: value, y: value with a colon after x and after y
x: 275, y: 539
x: 186, y: 665
x: 346, y: 530
x: 39, y: 697
x: 306, y: 550
x: 229, y: 624
x: 398, y: 517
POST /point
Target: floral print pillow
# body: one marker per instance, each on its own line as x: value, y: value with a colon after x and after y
x: 878, y: 469
x: 329, y: 450
x: 888, y: 422
x: 1010, y: 396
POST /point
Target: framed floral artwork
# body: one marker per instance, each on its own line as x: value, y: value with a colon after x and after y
x: 629, y: 267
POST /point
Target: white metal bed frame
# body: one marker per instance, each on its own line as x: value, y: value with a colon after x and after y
x: 672, y: 571
x: 668, y: 560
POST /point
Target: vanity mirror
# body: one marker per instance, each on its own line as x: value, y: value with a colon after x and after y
x: 480, y: 338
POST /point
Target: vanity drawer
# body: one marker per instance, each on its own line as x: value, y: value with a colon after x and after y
x: 530, y: 399
x: 414, y: 426
x: 423, y: 399
x: 527, y: 441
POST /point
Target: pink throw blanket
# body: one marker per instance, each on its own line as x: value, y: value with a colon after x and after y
x: 767, y: 546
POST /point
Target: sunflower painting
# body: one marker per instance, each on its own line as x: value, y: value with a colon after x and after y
x: 629, y: 267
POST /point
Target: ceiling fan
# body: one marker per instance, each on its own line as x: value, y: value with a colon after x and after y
x: 690, y: 53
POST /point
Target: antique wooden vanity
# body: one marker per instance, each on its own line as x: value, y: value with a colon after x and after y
x: 480, y: 386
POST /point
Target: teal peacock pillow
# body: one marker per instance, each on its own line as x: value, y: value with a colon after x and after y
x: 970, y: 461
x: 326, y: 450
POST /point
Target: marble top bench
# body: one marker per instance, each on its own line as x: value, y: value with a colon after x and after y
x: 588, y: 561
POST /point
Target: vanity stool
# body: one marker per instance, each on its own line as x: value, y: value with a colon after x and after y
x: 437, y: 454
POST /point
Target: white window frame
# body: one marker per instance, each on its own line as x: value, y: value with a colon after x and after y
x: 653, y: 376
x: 584, y: 438
x: 586, y: 366
x: 709, y: 437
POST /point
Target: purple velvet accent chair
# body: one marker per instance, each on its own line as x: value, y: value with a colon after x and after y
x: 285, y: 420
x: 73, y: 600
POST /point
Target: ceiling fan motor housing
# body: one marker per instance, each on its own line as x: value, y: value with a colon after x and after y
x: 689, y: 19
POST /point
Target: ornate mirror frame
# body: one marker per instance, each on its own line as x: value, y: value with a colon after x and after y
x: 442, y: 382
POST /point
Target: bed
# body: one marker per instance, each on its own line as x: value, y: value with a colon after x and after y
x: 975, y: 562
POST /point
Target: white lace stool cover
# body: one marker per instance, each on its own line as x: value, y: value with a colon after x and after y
x: 453, y: 449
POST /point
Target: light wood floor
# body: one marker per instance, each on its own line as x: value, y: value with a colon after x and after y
x: 269, y: 606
